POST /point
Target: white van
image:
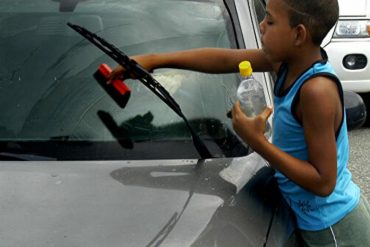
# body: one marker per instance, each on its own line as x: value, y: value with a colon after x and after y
x: 348, y: 45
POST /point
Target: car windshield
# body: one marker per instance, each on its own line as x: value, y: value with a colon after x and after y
x: 51, y: 105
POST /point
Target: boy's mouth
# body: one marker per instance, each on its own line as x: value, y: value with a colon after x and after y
x: 263, y: 45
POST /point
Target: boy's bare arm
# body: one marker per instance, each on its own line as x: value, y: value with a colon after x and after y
x: 207, y: 60
x: 319, y: 106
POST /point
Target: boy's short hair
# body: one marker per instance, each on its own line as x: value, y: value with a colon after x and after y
x: 319, y: 16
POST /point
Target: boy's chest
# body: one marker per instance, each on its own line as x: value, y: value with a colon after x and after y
x: 286, y: 84
x: 285, y: 91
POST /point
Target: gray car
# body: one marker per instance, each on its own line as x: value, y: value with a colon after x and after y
x: 78, y: 170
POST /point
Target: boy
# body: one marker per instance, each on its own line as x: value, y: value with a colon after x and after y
x: 309, y: 149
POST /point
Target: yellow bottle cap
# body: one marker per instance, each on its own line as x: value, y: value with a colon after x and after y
x: 245, y: 68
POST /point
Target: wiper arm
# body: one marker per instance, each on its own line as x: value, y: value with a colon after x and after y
x: 144, y: 76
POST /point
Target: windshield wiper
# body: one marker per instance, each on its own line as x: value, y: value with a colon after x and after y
x: 143, y: 76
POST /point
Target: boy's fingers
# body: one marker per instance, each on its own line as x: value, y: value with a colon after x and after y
x: 117, y: 73
x: 267, y: 112
x: 236, y: 108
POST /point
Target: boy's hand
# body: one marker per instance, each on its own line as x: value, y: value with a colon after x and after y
x: 250, y: 129
x: 117, y: 73
x: 121, y: 73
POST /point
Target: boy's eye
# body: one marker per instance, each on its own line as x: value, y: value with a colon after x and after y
x: 268, y: 21
x: 268, y: 18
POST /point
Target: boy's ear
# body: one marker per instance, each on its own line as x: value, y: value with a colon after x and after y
x: 301, y: 35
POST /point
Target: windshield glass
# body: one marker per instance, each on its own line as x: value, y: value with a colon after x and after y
x: 51, y: 105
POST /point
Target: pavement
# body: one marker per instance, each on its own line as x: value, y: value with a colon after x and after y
x: 359, y: 161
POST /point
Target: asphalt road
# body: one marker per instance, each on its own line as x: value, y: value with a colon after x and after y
x: 359, y: 161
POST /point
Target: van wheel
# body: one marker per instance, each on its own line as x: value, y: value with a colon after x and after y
x: 355, y: 110
x: 366, y: 98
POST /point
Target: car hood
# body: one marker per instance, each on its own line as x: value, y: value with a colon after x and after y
x: 132, y: 203
x: 354, y: 8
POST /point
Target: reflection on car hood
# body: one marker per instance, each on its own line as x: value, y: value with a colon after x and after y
x: 353, y: 8
x: 114, y: 203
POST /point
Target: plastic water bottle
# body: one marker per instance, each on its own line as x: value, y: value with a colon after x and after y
x: 251, y: 95
x: 250, y: 91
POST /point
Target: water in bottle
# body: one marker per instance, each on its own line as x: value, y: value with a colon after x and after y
x: 250, y: 92
x: 251, y: 95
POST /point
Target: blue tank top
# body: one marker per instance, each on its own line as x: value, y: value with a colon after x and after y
x: 313, y: 212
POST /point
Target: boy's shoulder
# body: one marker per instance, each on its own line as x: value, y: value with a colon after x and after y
x: 319, y: 87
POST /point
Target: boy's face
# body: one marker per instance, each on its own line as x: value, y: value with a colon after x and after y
x: 277, y: 35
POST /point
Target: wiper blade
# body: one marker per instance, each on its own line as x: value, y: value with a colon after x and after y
x: 143, y: 76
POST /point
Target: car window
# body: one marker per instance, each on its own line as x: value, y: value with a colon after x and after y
x: 49, y: 101
x: 260, y: 8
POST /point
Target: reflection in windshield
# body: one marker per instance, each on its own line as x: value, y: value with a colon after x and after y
x: 46, y: 84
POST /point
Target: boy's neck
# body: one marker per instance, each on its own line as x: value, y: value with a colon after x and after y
x: 303, y: 59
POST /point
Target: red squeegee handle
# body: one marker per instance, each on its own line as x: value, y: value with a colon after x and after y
x: 119, y: 85
x: 117, y: 89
